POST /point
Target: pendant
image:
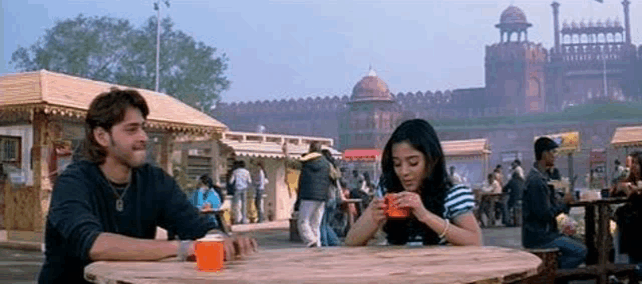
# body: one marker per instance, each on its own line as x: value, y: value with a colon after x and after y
x: 119, y: 205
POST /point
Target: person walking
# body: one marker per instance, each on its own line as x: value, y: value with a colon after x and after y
x: 241, y: 180
x: 314, y: 186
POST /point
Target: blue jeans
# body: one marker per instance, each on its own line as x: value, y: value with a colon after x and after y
x: 328, y: 235
x: 239, y: 207
x: 573, y: 253
x: 258, y: 202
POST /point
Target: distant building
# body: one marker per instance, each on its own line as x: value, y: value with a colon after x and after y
x: 521, y: 77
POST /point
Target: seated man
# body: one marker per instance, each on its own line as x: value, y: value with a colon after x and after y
x: 541, y: 206
x: 108, y: 205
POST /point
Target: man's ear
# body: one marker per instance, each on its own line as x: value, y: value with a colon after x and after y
x: 101, y: 136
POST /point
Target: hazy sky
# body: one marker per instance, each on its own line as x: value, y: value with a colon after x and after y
x: 293, y: 49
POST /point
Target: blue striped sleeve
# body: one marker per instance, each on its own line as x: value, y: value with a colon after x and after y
x: 459, y: 200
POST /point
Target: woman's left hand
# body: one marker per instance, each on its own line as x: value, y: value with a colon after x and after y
x: 410, y: 200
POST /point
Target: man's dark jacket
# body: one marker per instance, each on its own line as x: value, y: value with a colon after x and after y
x: 540, y: 207
x: 314, y: 181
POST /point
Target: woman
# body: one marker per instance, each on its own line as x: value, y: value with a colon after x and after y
x: 207, y: 195
x: 629, y: 217
x: 414, y: 173
x: 328, y: 235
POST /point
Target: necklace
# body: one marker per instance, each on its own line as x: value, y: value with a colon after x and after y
x: 120, y: 205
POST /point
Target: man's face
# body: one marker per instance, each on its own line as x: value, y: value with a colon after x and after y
x: 549, y: 157
x: 128, y: 140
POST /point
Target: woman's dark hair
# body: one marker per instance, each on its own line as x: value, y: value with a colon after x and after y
x: 637, y: 159
x: 260, y: 165
x: 105, y: 111
x: 422, y: 137
x: 207, y: 180
x: 326, y: 153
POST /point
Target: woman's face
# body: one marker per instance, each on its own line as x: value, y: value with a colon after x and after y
x: 629, y: 161
x: 410, y: 166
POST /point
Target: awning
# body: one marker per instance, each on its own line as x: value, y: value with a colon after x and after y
x: 630, y: 136
x: 568, y: 142
x: 271, y: 145
x: 466, y: 149
x: 367, y: 155
x: 68, y: 96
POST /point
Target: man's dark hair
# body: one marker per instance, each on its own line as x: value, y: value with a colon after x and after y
x: 517, y: 162
x: 617, y: 162
x: 241, y: 164
x: 498, y: 166
x: 105, y: 111
x: 315, y: 147
x: 542, y: 145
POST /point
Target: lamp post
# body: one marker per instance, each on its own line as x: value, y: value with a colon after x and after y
x: 158, y: 20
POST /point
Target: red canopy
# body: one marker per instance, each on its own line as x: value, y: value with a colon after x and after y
x: 361, y: 154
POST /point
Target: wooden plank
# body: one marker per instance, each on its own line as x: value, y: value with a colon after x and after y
x: 374, y: 264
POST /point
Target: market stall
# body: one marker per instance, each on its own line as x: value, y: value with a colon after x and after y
x: 470, y: 159
x: 42, y: 123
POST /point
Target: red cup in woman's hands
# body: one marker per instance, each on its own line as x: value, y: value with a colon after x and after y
x: 392, y: 211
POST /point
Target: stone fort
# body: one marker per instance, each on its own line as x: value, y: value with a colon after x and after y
x: 590, y: 62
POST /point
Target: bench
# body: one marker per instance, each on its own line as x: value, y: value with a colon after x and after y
x: 548, y: 271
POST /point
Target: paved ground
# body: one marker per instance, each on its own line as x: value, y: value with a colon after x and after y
x: 21, y: 266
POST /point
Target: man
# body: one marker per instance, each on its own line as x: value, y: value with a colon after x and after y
x: 241, y: 179
x: 314, y: 186
x: 517, y: 168
x: 541, y: 206
x: 107, y: 206
x: 454, y: 177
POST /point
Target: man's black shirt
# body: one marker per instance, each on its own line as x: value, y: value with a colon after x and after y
x: 83, y: 205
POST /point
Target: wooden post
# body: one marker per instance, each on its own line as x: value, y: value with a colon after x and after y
x: 167, y: 147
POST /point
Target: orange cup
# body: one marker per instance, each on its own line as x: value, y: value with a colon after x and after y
x: 394, y: 211
x: 210, y: 253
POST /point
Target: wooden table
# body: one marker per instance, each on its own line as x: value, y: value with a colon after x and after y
x: 598, y: 240
x: 371, y: 264
x: 491, y: 199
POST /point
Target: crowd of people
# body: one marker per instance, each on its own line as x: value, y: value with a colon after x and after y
x: 107, y: 205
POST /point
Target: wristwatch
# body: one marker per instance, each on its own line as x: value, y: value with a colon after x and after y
x: 183, y: 249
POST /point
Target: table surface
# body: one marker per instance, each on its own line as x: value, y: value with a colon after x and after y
x: 371, y: 264
x: 610, y: 200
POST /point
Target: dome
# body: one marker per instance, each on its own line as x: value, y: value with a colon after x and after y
x: 371, y: 88
x: 513, y: 15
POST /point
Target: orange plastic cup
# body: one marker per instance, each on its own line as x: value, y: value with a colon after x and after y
x: 394, y: 211
x: 210, y: 254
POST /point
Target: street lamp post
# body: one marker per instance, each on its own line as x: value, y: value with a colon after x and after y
x: 158, y: 26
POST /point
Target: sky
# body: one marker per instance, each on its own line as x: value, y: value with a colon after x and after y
x: 298, y: 49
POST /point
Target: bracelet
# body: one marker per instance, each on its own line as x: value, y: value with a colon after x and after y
x: 445, y: 229
x: 183, y: 247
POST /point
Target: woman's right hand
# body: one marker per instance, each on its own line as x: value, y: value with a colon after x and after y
x: 377, y: 210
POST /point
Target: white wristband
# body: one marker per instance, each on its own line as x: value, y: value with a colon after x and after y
x: 183, y: 247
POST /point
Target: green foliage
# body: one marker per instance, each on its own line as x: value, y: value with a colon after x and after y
x: 112, y: 50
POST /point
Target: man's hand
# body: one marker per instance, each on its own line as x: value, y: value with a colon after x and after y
x: 239, y: 246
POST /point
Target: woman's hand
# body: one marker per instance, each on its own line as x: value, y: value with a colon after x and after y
x: 377, y: 210
x: 410, y: 200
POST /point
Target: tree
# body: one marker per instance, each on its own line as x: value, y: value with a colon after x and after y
x: 112, y: 50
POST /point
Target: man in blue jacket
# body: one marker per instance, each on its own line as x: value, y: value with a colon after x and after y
x: 108, y: 205
x: 540, y: 207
